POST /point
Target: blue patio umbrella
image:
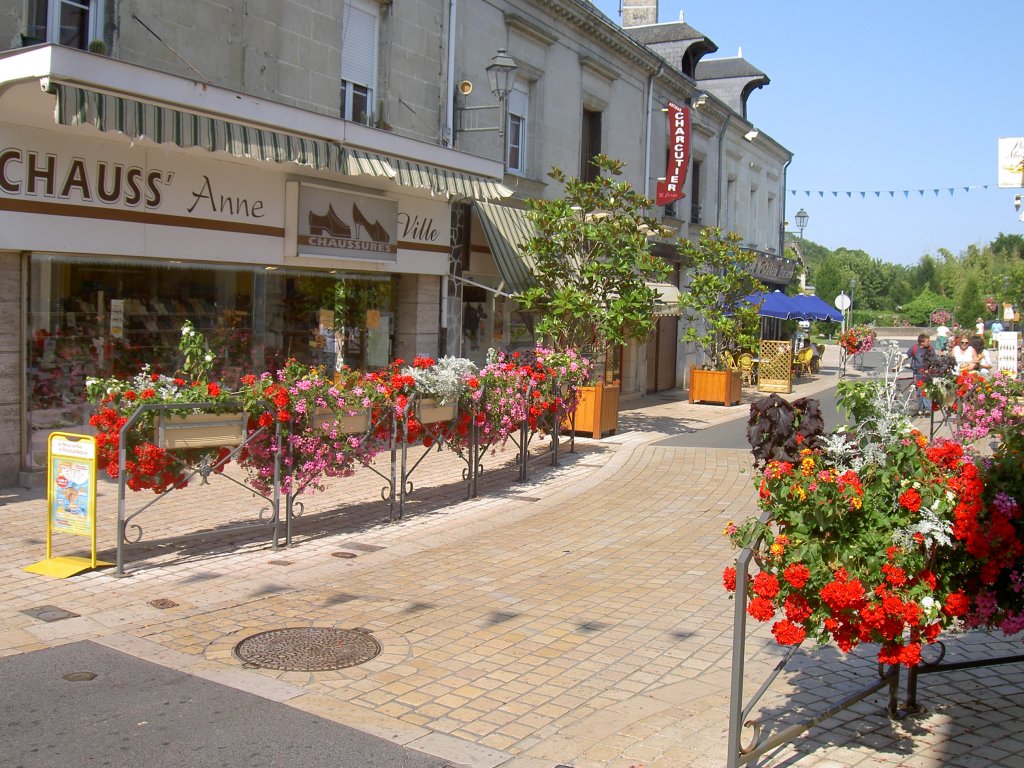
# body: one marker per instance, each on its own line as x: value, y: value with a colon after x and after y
x: 813, y: 308
x: 773, y: 304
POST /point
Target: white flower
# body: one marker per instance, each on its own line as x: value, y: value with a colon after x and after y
x: 209, y: 357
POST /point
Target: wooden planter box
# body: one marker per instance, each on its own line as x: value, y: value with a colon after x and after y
x: 200, y: 430
x: 721, y: 387
x: 354, y: 424
x: 597, y: 413
x: 429, y: 411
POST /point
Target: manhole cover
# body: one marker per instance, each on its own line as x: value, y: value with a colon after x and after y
x: 50, y: 613
x: 307, y: 649
x: 80, y: 677
x: 163, y: 603
x: 344, y: 555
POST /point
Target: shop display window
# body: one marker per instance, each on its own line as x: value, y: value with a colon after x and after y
x: 109, y: 317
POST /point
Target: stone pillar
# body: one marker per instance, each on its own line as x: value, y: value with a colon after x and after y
x: 10, y: 367
x: 418, y: 316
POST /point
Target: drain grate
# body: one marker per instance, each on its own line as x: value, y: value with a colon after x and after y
x: 307, y: 649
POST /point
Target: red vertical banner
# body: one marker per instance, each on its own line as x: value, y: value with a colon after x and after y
x: 671, y: 188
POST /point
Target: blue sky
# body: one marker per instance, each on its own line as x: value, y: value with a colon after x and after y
x: 878, y: 96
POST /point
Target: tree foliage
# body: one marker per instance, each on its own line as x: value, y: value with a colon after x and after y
x: 942, y: 279
x: 592, y: 258
x: 717, y: 318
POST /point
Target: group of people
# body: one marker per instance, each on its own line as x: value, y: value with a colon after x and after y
x: 969, y: 353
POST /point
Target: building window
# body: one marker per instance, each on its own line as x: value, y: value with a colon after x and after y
x: 590, y: 144
x: 515, y: 135
x: 695, y: 197
x: 73, y: 23
x: 359, y: 35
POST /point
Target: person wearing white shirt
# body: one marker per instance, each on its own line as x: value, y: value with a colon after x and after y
x: 964, y: 354
x: 941, y: 338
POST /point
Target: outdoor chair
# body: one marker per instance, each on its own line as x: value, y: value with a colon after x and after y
x: 802, y: 362
x: 748, y: 374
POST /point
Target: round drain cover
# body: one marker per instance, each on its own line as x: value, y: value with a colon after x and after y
x: 307, y: 649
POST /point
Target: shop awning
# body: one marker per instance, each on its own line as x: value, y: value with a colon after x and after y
x: 452, y: 183
x: 165, y: 124
x: 506, y: 231
x: 667, y: 303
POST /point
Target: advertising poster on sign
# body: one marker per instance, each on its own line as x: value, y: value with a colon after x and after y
x: 69, y: 504
x: 1011, y: 163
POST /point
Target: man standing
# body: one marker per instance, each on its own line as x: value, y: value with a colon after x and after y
x: 997, y: 328
x: 941, y: 338
x: 921, y: 356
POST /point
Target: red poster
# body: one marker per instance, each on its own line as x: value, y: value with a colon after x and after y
x: 671, y: 189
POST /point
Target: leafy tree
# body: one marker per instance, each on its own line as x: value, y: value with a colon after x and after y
x: 969, y: 304
x: 919, y: 311
x: 592, y: 259
x: 717, y: 317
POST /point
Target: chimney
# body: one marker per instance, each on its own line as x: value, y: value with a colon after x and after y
x: 637, y: 13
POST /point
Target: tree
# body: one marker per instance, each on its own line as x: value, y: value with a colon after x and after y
x: 713, y: 300
x: 969, y: 304
x: 592, y: 259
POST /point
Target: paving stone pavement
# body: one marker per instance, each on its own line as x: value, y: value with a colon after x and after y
x: 575, y: 619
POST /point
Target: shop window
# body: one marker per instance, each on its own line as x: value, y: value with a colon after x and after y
x: 67, y: 22
x: 359, y: 35
x: 516, y: 133
x: 109, y: 317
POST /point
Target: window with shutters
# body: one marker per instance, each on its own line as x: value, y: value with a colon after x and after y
x: 74, y: 23
x: 359, y: 35
x: 515, y: 135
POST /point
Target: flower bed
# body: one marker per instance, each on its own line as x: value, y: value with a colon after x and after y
x: 874, y: 534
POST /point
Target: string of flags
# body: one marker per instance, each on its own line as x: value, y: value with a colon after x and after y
x: 891, y: 192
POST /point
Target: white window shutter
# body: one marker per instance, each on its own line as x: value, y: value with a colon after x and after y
x: 359, y: 44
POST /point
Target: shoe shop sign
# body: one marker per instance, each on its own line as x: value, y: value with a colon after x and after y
x: 336, y: 223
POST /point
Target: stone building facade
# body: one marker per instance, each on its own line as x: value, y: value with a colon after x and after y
x: 351, y: 106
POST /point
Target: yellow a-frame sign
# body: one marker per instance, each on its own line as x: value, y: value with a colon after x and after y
x: 70, y: 502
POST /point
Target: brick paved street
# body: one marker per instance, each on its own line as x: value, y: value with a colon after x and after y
x: 574, y: 619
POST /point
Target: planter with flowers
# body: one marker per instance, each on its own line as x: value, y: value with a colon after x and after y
x: 326, y: 425
x: 857, y: 340
x: 184, y: 418
x: 874, y: 534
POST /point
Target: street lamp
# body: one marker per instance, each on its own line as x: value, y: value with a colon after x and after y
x: 801, y: 221
x: 1016, y: 207
x: 501, y: 75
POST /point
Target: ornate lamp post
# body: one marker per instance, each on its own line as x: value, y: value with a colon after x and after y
x: 801, y: 221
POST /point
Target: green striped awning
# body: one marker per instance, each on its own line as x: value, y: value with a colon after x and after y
x: 163, y: 124
x: 506, y: 231
x: 452, y: 183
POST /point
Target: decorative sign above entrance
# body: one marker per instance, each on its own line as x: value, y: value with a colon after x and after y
x: 336, y: 223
